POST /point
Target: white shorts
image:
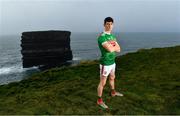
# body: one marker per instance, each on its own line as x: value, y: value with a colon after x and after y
x: 106, y: 70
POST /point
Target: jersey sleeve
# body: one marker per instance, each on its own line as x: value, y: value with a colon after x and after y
x: 101, y: 40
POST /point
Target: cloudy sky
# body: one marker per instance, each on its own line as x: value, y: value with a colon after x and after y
x: 17, y: 16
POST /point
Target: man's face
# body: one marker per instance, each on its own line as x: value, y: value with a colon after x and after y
x: 108, y: 26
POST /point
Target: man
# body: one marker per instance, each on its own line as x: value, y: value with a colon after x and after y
x: 108, y: 46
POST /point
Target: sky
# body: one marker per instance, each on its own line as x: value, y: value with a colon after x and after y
x: 17, y: 16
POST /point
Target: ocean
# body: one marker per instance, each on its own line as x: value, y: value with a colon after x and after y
x: 84, y: 47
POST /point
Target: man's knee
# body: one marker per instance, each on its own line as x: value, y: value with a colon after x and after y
x: 103, y: 81
x: 112, y: 77
x: 103, y: 84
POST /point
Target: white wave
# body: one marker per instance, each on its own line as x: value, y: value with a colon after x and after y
x: 14, y: 69
x: 76, y: 58
x: 10, y: 70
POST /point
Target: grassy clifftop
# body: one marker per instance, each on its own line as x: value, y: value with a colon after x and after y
x: 149, y: 80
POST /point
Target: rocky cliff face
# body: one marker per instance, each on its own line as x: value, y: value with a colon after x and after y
x: 45, y: 48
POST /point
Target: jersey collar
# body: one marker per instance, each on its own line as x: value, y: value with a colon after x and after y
x: 106, y: 33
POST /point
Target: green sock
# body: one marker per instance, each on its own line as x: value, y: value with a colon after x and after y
x: 99, y: 97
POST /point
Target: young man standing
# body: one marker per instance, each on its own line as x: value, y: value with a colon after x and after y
x: 108, y: 46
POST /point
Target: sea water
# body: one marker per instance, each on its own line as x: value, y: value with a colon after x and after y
x: 84, y: 47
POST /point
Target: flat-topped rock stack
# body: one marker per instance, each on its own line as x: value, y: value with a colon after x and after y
x: 45, y: 48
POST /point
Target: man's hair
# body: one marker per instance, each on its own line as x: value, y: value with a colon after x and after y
x: 108, y: 19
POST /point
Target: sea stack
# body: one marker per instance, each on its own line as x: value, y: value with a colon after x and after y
x: 45, y: 48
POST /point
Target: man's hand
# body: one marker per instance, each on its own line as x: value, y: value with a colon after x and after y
x: 117, y: 47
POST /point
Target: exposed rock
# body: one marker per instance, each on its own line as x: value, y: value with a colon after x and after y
x: 45, y: 48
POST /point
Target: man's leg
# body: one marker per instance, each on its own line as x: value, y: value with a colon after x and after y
x: 100, y: 92
x: 103, y: 78
x: 101, y: 85
x: 112, y: 77
x: 112, y: 83
x: 111, y: 80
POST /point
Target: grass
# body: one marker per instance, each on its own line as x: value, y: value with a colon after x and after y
x: 149, y: 80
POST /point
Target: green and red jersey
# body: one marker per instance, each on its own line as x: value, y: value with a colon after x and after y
x: 107, y: 58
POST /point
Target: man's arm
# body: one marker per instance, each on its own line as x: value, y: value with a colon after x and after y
x: 117, y: 47
x: 111, y: 46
